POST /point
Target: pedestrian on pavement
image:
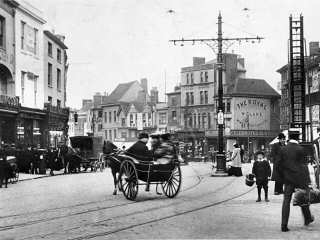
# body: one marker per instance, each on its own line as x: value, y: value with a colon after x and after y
x: 262, y: 171
x: 241, y: 154
x: 293, y: 168
x: 275, y: 154
x: 5, y: 170
x: 235, y: 169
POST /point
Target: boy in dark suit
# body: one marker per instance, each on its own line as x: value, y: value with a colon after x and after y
x: 262, y: 171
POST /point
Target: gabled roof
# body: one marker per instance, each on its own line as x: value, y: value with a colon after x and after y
x: 118, y: 92
x: 256, y: 87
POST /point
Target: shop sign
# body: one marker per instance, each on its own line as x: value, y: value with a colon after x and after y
x: 220, y: 117
x: 252, y: 133
x: 252, y: 113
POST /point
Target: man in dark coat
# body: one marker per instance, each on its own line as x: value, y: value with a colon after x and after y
x: 140, y: 149
x: 275, y: 154
x: 293, y: 169
x: 5, y: 170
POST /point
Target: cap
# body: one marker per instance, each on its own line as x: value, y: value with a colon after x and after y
x: 281, y: 136
x: 165, y: 136
x: 143, y: 135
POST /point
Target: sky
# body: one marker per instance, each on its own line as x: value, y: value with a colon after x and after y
x: 116, y: 41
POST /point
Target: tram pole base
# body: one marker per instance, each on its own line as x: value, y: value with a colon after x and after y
x: 221, y: 166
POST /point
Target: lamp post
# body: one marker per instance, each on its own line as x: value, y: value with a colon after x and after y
x: 221, y: 158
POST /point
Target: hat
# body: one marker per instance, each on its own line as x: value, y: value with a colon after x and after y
x: 155, y: 135
x: 281, y: 136
x: 165, y: 136
x: 143, y: 135
x: 236, y: 145
x: 259, y: 152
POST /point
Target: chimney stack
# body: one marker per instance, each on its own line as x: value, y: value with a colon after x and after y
x: 144, y: 84
x: 198, y: 61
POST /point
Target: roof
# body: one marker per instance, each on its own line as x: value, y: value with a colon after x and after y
x: 257, y: 87
x: 55, y: 39
x: 118, y: 92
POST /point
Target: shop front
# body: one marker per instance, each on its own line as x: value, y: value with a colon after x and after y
x: 30, y: 127
x: 56, y: 125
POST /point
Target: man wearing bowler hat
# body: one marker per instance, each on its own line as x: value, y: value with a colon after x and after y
x: 275, y: 153
x: 140, y: 149
x: 293, y: 169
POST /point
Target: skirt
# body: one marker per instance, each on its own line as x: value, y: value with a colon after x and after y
x: 235, y: 171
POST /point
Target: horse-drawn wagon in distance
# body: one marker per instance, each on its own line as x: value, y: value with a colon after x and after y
x: 87, y: 152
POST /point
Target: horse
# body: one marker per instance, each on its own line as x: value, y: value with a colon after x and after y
x: 110, y: 150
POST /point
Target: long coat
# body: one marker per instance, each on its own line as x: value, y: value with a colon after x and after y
x: 5, y: 169
x: 292, y: 167
x: 236, y: 158
x: 140, y: 150
x: 275, y: 155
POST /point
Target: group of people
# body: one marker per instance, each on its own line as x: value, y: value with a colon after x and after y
x: 290, y: 171
x: 162, y: 148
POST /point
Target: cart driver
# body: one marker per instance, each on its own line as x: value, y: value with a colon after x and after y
x: 140, y: 149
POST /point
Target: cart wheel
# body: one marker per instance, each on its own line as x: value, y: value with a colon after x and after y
x: 128, y: 180
x: 172, y: 187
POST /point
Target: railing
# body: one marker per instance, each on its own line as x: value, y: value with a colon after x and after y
x: 56, y: 109
x: 9, y: 101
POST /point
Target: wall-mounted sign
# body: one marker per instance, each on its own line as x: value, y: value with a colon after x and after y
x: 251, y: 113
x: 220, y: 117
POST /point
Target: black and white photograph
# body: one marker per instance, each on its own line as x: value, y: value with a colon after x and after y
x: 159, y: 119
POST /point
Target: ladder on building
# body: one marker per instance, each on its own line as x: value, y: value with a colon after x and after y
x: 297, y: 76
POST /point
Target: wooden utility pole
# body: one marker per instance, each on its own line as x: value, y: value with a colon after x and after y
x: 221, y: 159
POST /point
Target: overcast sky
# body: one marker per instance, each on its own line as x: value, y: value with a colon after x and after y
x: 116, y: 41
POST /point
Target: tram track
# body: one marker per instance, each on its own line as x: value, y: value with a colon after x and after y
x: 106, y: 233
x: 181, y: 200
x: 41, y: 220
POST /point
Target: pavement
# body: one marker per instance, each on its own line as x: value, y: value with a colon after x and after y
x: 81, y: 206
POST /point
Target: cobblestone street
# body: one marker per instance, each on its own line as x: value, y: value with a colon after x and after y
x: 80, y: 206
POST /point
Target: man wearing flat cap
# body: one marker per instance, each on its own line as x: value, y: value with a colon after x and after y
x: 140, y: 149
x: 275, y: 154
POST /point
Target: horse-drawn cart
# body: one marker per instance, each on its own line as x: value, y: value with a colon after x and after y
x: 134, y: 173
x: 88, y: 150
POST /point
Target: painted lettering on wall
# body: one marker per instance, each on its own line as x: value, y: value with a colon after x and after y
x: 252, y: 114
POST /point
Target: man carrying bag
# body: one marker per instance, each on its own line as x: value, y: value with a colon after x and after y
x: 293, y: 169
